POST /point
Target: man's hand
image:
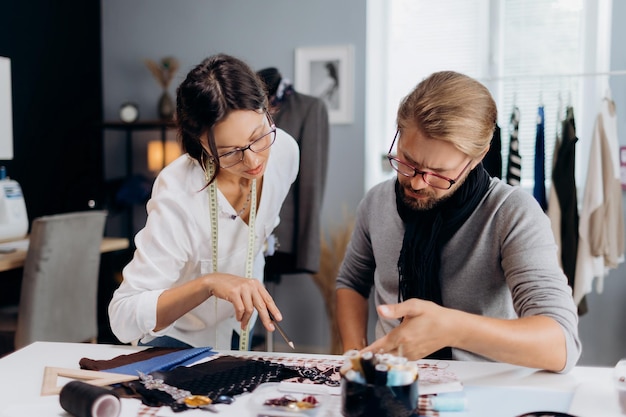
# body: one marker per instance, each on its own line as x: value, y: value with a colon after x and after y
x: 425, y: 328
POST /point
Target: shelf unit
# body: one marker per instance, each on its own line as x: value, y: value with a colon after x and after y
x: 162, y: 126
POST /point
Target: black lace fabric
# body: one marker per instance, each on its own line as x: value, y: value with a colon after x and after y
x: 225, y: 375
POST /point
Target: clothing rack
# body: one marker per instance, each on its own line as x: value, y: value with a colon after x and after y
x: 554, y: 75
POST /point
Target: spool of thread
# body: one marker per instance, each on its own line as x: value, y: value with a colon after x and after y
x: 448, y: 402
x: 381, y: 370
x: 355, y: 376
x: 353, y: 358
x: 368, y: 365
x: 400, y: 376
x: 84, y: 400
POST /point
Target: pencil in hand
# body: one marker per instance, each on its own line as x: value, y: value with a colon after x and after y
x: 282, y: 332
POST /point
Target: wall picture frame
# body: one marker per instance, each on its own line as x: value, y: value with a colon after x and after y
x: 327, y: 72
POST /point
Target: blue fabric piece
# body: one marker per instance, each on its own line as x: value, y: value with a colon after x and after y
x: 166, y: 342
x: 164, y: 362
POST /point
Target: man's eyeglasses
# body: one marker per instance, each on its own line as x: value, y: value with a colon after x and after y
x: 232, y: 158
x: 430, y: 178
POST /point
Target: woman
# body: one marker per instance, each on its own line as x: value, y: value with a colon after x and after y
x: 196, y: 276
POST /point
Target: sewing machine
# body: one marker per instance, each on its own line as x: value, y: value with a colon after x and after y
x: 13, y: 217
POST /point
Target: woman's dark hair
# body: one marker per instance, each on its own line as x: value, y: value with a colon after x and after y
x: 211, y: 90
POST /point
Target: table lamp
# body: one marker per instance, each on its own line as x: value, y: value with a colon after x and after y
x: 161, y: 154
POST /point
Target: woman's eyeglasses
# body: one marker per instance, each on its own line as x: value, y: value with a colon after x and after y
x: 232, y: 158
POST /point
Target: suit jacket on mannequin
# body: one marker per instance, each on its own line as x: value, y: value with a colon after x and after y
x: 306, y: 119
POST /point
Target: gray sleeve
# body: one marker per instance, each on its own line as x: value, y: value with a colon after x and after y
x: 358, y: 266
x: 529, y: 258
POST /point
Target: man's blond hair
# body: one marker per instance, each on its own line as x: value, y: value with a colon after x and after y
x: 452, y: 107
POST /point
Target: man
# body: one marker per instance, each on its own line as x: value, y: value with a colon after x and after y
x: 463, y: 266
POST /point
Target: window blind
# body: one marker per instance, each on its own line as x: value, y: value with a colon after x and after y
x: 518, y: 47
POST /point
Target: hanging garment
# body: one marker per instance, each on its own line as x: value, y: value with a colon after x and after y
x: 601, y: 228
x: 539, y: 189
x: 554, y: 209
x: 514, y: 167
x: 299, y: 232
x: 565, y: 210
x: 492, y: 162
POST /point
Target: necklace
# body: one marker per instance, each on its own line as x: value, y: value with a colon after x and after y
x: 243, y: 209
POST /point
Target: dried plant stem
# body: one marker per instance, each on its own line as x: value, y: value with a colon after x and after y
x: 333, y: 251
x: 163, y: 71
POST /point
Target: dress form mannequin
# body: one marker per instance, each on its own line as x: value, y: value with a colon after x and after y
x: 306, y: 119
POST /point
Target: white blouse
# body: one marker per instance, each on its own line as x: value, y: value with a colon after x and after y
x: 175, y: 247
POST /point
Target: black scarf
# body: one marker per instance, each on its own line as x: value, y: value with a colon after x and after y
x: 426, y: 233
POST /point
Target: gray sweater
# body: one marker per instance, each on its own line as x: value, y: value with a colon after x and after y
x: 501, y: 263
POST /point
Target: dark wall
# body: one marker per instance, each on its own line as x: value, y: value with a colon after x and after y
x: 55, y: 52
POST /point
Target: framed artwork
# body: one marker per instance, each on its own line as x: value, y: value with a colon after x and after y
x: 327, y: 72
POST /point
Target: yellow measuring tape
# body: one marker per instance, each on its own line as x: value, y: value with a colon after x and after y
x: 244, y: 335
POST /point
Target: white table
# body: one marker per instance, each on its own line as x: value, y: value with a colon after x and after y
x: 492, y: 389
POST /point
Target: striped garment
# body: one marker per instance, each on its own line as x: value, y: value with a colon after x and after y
x: 514, y: 168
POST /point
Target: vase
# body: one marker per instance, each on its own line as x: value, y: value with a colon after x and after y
x: 166, y: 106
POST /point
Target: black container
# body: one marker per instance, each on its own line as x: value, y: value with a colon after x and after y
x: 368, y: 400
x: 80, y: 399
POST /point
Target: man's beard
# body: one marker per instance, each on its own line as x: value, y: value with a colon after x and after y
x: 431, y: 201
x: 428, y: 203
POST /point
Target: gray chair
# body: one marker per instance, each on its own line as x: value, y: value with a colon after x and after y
x: 58, y: 300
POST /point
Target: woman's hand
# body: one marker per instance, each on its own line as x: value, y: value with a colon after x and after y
x: 246, y: 295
